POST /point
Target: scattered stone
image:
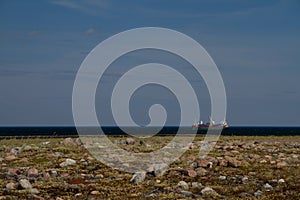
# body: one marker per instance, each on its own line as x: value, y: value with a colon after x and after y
x: 27, y: 148
x: 258, y: 193
x: 245, y: 179
x: 67, y: 163
x: 223, y: 163
x: 33, y: 172
x: 192, y: 173
x: 33, y: 191
x: 191, y: 146
x: 207, y: 191
x: 186, y: 193
x: 95, y: 192
x: 268, y: 187
x: 69, y: 142
x: 13, y: 171
x: 25, y: 184
x: 130, y: 141
x: 99, y: 176
x: 194, y: 165
x: 159, y: 169
x: 281, y: 180
x: 233, y: 162
x: 78, y: 141
x: 36, y: 197
x: 222, y: 178
x: 11, y: 186
x: 10, y: 157
x: 78, y: 195
x: 281, y: 164
x: 196, y: 185
x: 183, y: 185
x: 16, y: 150
x: 244, y: 195
x: 53, y: 173
x: 203, y: 163
x: 45, y: 143
x: 201, y: 171
x: 46, y: 175
x: 138, y: 177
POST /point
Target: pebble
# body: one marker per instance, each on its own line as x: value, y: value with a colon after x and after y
x: 53, y: 173
x: 25, y: 184
x: 209, y: 192
x: 33, y: 191
x: 33, y: 172
x: 186, y: 193
x: 281, y: 164
x: 281, y: 180
x: 69, y: 142
x: 130, y: 141
x: 159, y: 169
x: 194, y: 165
x: 258, y: 193
x: 45, y: 143
x: 16, y: 150
x: 68, y: 162
x: 223, y: 178
x: 196, y: 185
x: 138, y: 177
x: 268, y: 187
x: 10, y: 157
x: 11, y: 186
x: 183, y: 185
x: 95, y: 192
x: 192, y: 173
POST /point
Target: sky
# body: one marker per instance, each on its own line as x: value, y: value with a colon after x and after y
x: 255, y: 45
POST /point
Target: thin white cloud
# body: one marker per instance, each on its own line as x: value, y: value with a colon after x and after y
x: 35, y: 32
x: 88, y: 7
x: 90, y: 31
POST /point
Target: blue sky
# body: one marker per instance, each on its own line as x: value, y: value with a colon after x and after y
x: 254, y: 43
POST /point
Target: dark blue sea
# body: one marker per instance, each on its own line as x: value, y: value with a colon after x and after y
x: 71, y: 131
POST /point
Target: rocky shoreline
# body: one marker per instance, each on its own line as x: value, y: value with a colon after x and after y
x: 237, y: 168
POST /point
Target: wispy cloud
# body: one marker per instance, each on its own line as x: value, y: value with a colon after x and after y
x: 90, y: 31
x: 90, y: 7
x: 35, y: 32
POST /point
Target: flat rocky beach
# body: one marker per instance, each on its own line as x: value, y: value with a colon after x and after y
x: 238, y: 167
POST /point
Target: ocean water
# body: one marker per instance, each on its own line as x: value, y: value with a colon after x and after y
x: 71, y: 131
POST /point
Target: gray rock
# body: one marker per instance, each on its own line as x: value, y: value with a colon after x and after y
x: 53, y: 173
x: 33, y: 172
x: 45, y: 143
x: 268, y: 187
x: 33, y: 191
x: 130, y: 141
x: 138, y: 177
x: 186, y: 193
x: 25, y: 184
x: 27, y: 147
x: 196, y: 185
x: 11, y: 186
x: 158, y: 169
x: 194, y: 165
x: 281, y: 180
x: 68, y: 162
x: 78, y: 141
x: 207, y: 191
x: 258, y: 193
x: 244, y: 195
x: 223, y: 178
x: 183, y: 185
x: 16, y: 150
x: 69, y: 142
